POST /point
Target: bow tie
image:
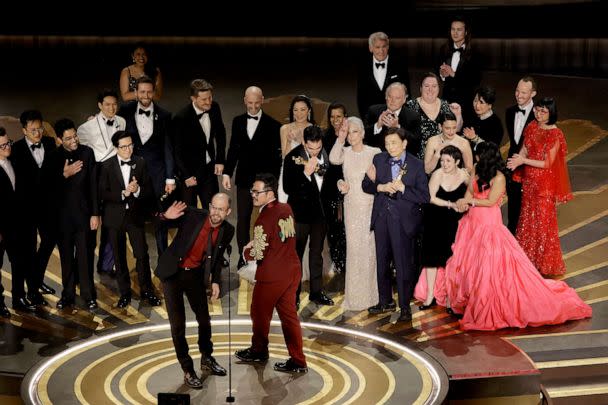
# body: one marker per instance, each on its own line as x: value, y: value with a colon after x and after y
x: 395, y: 162
x: 380, y: 65
x: 126, y: 162
x: 252, y: 117
x: 36, y: 145
x: 459, y: 50
x: 521, y: 110
x: 109, y: 123
x: 201, y: 114
x: 142, y: 111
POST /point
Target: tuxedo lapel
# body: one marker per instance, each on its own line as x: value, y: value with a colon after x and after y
x: 118, y: 172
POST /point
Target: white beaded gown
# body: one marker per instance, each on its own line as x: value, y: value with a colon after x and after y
x: 361, y: 287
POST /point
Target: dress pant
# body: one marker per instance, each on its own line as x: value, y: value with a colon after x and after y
x: 73, y: 247
x: 277, y: 294
x: 316, y: 232
x: 105, y: 260
x: 191, y: 283
x: 393, y: 243
x: 514, y: 204
x: 137, y: 237
x: 244, y: 208
x: 336, y: 234
x: 207, y: 186
x: 21, y: 262
x: 40, y: 254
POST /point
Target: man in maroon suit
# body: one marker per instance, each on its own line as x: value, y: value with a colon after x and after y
x: 277, y: 277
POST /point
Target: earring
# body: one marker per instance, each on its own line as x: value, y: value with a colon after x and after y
x: 308, y: 115
x: 133, y: 60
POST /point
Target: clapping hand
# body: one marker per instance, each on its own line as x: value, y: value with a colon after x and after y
x: 469, y: 133
x: 515, y: 161
x: 343, y: 186
x: 133, y: 187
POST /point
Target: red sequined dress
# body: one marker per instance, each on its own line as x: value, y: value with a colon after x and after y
x: 542, y: 190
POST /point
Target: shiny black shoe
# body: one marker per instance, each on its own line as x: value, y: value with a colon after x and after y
x: 192, y: 380
x: 37, y: 299
x: 124, y: 301
x: 151, y: 298
x: 91, y: 305
x: 382, y: 308
x: 23, y: 304
x: 405, y: 316
x: 4, y: 312
x: 209, y: 363
x: 321, y: 299
x: 63, y: 303
x: 46, y: 289
x: 290, y: 367
x: 425, y: 307
x: 249, y: 356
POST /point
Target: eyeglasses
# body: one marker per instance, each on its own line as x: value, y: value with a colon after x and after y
x: 36, y: 130
x: 541, y: 110
x: 218, y: 209
x: 125, y: 147
x: 6, y: 145
x: 256, y: 193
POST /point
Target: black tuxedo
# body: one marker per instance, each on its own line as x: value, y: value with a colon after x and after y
x: 157, y: 152
x: 120, y: 219
x: 191, y: 146
x: 14, y: 237
x: 513, y: 187
x: 460, y: 88
x: 176, y: 282
x: 260, y: 154
x: 408, y: 119
x: 30, y: 192
x: 307, y: 202
x: 72, y: 202
x: 368, y: 92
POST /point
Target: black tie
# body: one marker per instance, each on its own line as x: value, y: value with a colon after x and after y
x: 459, y: 50
x: 36, y: 145
x: 380, y: 65
x: 252, y: 117
x: 201, y: 114
x: 125, y: 162
x: 109, y: 123
x: 521, y: 110
x: 141, y: 111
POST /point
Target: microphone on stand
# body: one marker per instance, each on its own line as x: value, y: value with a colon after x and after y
x: 229, y: 398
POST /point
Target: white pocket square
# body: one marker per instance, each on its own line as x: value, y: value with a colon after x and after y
x: 393, y: 76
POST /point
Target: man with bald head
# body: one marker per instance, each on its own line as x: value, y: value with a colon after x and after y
x: 255, y: 147
x: 194, y: 256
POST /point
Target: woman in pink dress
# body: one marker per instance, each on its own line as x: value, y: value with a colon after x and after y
x: 489, y: 278
x: 545, y: 183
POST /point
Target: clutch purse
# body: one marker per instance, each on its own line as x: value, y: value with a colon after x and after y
x: 248, y: 271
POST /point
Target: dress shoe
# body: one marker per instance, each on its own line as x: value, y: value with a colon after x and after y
x: 382, y: 308
x: 151, y: 298
x: 63, y: 303
x: 4, y: 312
x: 321, y: 299
x: 123, y: 301
x: 249, y: 356
x: 405, y: 316
x: 454, y: 314
x: 431, y: 305
x: 208, y: 363
x: 290, y: 367
x: 37, y: 299
x: 46, y: 289
x: 192, y: 380
x: 23, y: 304
x: 91, y: 305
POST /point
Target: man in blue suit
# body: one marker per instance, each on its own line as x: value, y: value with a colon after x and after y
x: 400, y: 187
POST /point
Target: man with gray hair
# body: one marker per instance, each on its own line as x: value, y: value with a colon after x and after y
x: 375, y: 75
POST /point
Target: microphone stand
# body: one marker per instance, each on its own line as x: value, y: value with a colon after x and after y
x: 229, y: 398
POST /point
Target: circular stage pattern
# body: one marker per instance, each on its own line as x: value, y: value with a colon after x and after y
x: 133, y: 366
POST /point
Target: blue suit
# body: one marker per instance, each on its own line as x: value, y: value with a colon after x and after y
x: 396, y: 222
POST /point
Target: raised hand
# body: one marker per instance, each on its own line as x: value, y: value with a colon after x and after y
x: 176, y: 210
x: 311, y: 166
x: 342, y: 131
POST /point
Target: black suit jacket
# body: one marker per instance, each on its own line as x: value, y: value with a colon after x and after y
x: 10, y: 208
x: 71, y: 202
x: 408, y: 120
x: 305, y: 199
x: 460, y: 88
x: 29, y: 175
x: 191, y: 144
x: 189, y: 226
x: 260, y: 154
x: 158, y: 151
x: 514, y: 147
x: 111, y: 185
x: 368, y: 92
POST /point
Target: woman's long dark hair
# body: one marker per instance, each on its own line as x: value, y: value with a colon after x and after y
x: 490, y: 162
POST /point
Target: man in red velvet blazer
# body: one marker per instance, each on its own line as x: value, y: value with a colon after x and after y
x: 277, y: 277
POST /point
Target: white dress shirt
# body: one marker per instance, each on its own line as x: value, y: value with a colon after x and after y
x: 8, y: 168
x: 380, y: 72
x: 252, y: 124
x: 126, y: 172
x: 37, y: 153
x: 145, y: 123
x: 456, y: 57
x: 520, y: 121
x: 206, y: 125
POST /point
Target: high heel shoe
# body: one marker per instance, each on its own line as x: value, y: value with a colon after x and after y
x: 423, y: 307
